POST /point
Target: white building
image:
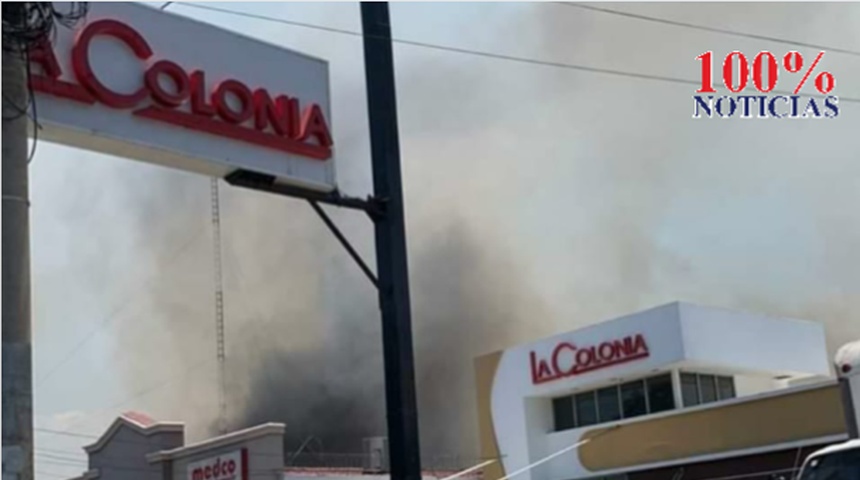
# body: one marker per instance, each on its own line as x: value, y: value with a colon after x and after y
x: 708, y: 391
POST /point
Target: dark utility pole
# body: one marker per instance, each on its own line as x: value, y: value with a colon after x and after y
x: 391, y: 258
x: 17, y: 351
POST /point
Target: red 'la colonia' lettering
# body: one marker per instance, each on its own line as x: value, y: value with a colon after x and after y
x: 254, y: 117
x: 568, y: 360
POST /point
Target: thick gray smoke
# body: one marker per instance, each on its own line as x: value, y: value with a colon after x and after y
x: 538, y: 200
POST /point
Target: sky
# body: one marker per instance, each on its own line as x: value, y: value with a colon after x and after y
x: 575, y: 196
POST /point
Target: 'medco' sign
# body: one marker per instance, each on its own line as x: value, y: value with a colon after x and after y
x: 568, y: 360
x: 255, y: 117
x: 228, y: 466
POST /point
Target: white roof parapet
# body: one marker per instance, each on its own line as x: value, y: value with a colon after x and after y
x: 138, y: 422
x: 216, y: 442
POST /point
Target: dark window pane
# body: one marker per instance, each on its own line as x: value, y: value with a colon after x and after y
x: 586, y: 409
x: 633, y: 399
x: 708, y: 388
x: 608, y: 405
x: 660, y: 394
x: 726, y: 387
x: 562, y: 411
x: 689, y: 389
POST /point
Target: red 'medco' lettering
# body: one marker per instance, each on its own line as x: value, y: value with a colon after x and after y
x: 218, y: 470
x: 586, y: 359
x: 252, y: 116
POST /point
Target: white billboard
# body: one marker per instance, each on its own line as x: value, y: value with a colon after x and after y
x: 140, y: 83
x: 227, y: 466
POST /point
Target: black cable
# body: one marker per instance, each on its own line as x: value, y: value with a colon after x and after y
x: 526, y: 60
x: 113, y: 315
x: 27, y: 24
x: 144, y: 392
x: 666, y: 21
x: 31, y: 96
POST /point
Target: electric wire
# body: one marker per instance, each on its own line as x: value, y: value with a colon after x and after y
x: 141, y: 393
x: 724, y: 31
x: 76, y: 462
x: 51, y: 474
x: 466, y: 51
x: 28, y: 25
x: 126, y: 468
x: 122, y: 441
x: 113, y: 315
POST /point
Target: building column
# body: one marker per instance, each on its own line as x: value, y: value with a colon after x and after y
x: 847, y: 364
x: 676, y: 388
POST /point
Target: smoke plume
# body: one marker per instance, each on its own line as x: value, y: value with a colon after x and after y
x: 538, y: 200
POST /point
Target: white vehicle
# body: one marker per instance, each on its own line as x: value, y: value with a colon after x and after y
x: 836, y: 462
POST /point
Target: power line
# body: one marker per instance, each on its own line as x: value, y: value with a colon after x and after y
x: 497, y: 56
x: 126, y: 468
x: 51, y: 474
x: 65, y: 458
x: 705, y: 28
x: 271, y: 19
x: 92, y: 437
x: 143, y: 392
x: 110, y: 317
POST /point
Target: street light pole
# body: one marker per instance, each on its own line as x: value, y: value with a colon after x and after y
x: 391, y: 258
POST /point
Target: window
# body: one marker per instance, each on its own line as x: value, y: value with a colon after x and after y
x: 608, y: 404
x: 707, y: 388
x: 690, y: 389
x: 699, y: 388
x: 726, y: 387
x: 586, y: 409
x: 660, y: 394
x: 562, y: 411
x: 633, y: 400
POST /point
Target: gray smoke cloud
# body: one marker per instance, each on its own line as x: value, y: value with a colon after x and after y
x: 538, y: 200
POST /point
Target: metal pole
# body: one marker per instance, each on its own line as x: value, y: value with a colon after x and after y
x: 391, y: 259
x: 220, y: 347
x: 851, y: 420
x: 17, y: 351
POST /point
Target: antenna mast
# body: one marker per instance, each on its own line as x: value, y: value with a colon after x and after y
x: 219, y: 308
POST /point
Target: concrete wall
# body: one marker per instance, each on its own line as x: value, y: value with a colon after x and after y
x: 124, y: 456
